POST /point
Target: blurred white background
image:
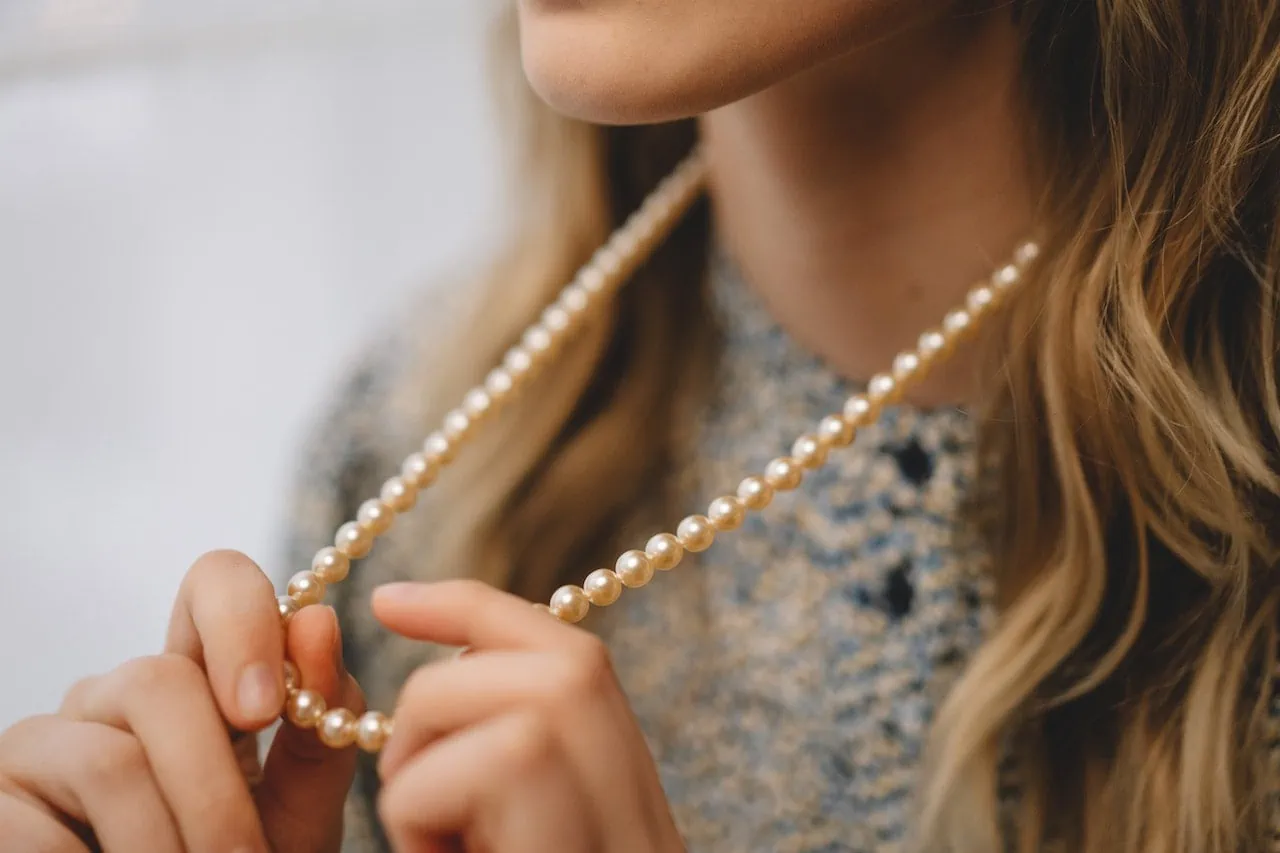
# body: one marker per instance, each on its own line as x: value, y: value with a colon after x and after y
x: 204, y: 207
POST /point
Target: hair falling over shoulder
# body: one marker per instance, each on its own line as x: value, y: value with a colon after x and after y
x: 1133, y: 440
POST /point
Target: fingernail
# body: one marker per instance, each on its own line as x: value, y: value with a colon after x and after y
x: 259, y: 692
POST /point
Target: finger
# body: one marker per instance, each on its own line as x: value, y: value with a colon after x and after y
x: 501, y: 785
x: 469, y: 613
x: 305, y: 782
x: 226, y: 619
x: 165, y: 703
x: 442, y: 697
x: 34, y: 829
x: 94, y: 775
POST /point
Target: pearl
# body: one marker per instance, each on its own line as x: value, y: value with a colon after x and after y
x: 608, y: 259
x: 375, y: 516
x: 931, y: 343
x: 305, y: 588
x: 398, y: 495
x: 905, y: 366
x: 664, y: 551
x: 305, y: 708
x: 696, y: 533
x: 858, y: 410
x: 438, y: 448
x: 287, y: 607
x: 755, y: 493
x: 292, y: 680
x: 602, y: 587
x: 592, y: 279
x: 337, y: 728
x: 518, y: 362
x: 419, y: 471
x: 980, y: 299
x: 499, y: 384
x: 1006, y: 277
x: 956, y: 322
x: 782, y: 474
x: 809, y: 452
x: 330, y: 566
x: 835, y: 431
x: 726, y: 513
x: 556, y: 320
x: 574, y: 299
x: 353, y: 540
x: 537, y: 340
x: 881, y: 388
x: 477, y: 403
x: 372, y: 731
x: 456, y: 427
x: 1026, y: 253
x: 634, y: 569
x: 570, y: 604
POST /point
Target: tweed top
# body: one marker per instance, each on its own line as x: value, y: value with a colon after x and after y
x: 786, y: 678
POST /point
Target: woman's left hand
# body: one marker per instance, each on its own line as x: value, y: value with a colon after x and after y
x: 525, y: 744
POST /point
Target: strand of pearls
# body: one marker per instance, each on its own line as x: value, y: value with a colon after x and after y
x: 598, y: 279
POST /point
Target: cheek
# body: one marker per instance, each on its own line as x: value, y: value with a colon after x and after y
x: 640, y: 61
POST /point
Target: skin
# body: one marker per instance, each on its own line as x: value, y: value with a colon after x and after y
x: 867, y: 166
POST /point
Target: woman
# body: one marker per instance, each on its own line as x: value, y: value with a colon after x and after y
x: 1066, y: 647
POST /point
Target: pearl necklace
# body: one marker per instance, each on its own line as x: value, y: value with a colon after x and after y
x: 625, y: 250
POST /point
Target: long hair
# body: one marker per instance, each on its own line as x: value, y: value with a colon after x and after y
x: 1133, y: 432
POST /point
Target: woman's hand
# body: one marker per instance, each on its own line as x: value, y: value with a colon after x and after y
x: 525, y: 744
x: 143, y: 758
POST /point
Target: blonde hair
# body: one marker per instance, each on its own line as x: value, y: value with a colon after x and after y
x: 1134, y: 432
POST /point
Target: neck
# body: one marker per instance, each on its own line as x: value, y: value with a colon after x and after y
x: 861, y: 199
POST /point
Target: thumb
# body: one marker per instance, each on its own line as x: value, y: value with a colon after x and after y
x: 304, y: 782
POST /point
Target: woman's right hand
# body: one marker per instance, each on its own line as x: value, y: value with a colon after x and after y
x: 145, y: 757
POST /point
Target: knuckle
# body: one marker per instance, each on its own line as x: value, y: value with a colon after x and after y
x: 167, y: 672
x: 78, y: 693
x: 589, y: 668
x: 531, y: 743
x: 109, y: 757
x: 416, y: 689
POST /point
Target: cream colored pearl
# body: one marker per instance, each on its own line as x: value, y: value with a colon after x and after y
x: 634, y: 569
x: 556, y: 320
x: 755, y: 493
x: 726, y: 513
x: 292, y: 680
x: 419, y: 471
x: 398, y: 495
x: 499, y: 384
x: 809, y: 452
x: 592, y: 279
x: 931, y: 343
x: 518, y: 362
x: 905, y: 366
x: 375, y: 516
x: 337, y: 728
x: 305, y: 708
x: 477, y: 403
x: 783, y: 474
x: 664, y: 551
x: 438, y: 448
x: 372, y: 731
x: 537, y: 340
x: 696, y: 533
x: 602, y: 587
x: 881, y: 388
x: 1006, y: 277
x: 1026, y: 253
x: 305, y: 588
x: 330, y: 565
x: 980, y: 299
x: 858, y: 410
x: 835, y: 431
x: 456, y: 426
x: 570, y: 604
x: 287, y: 607
x: 353, y: 540
x: 956, y: 322
x: 608, y: 259
x: 574, y: 299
